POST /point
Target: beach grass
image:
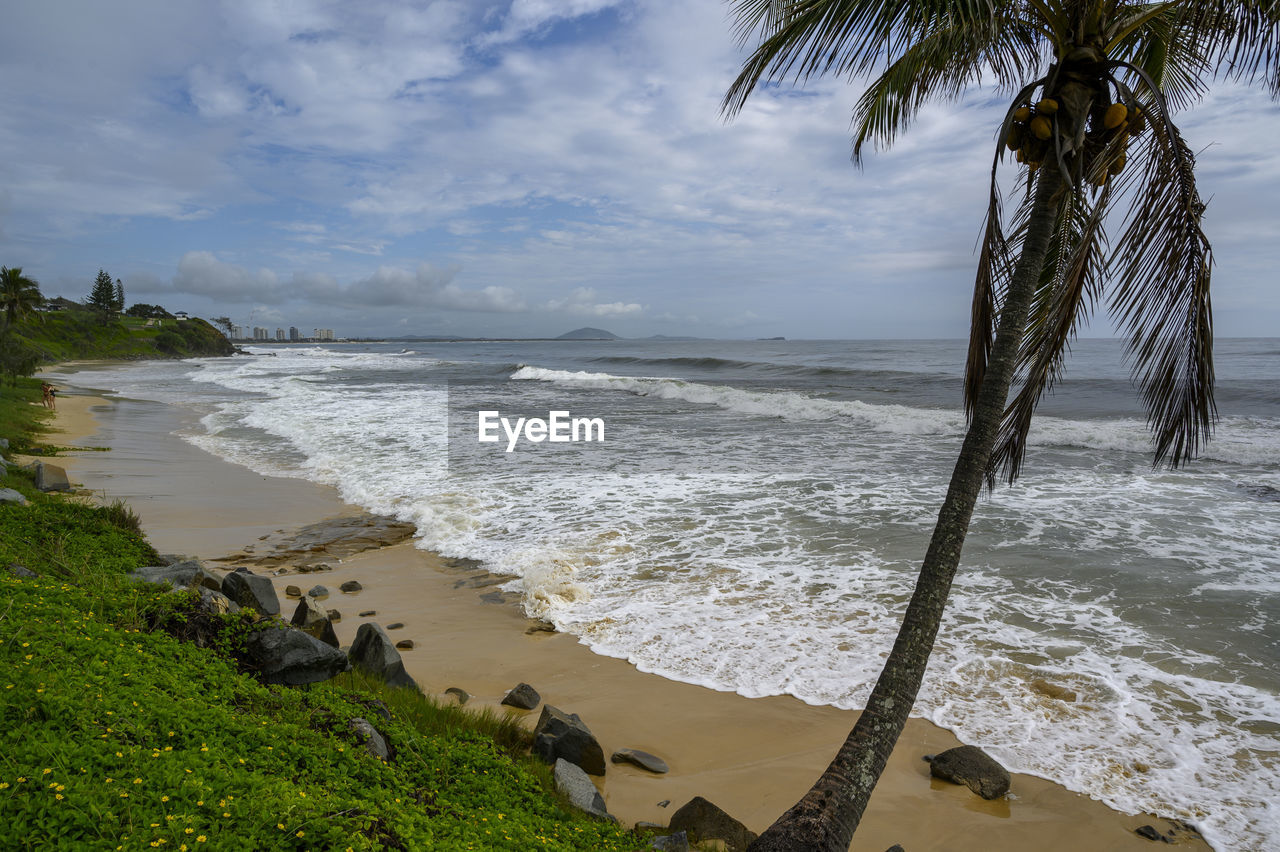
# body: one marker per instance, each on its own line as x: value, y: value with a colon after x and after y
x: 115, y: 733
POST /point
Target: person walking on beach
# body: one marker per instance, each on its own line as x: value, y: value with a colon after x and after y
x: 50, y: 395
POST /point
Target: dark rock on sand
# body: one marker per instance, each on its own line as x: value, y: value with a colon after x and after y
x: 369, y: 737
x: 313, y: 619
x: 250, y: 590
x: 563, y: 735
x: 293, y: 591
x: 311, y: 546
x: 335, y: 616
x: 373, y: 652
x: 461, y: 694
x: 369, y: 613
x: 395, y: 625
x: 291, y: 657
x: 1150, y: 832
x: 578, y: 789
x: 318, y: 592
x: 704, y: 821
x: 405, y: 645
x: 642, y: 759
x: 973, y: 767
x: 351, y: 586
x: 524, y: 697
x: 50, y: 477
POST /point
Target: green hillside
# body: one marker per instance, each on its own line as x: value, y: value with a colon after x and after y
x: 79, y: 333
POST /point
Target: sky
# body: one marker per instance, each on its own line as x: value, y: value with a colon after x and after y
x: 518, y: 168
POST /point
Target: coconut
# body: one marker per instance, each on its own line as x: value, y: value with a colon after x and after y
x: 1022, y: 113
x: 1048, y: 106
x: 1115, y: 116
x: 1041, y: 127
x: 1014, y: 138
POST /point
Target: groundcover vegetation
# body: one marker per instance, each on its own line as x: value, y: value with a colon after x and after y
x: 117, y: 731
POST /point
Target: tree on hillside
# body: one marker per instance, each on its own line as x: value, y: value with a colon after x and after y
x: 224, y: 325
x: 102, y: 298
x: 117, y: 297
x: 142, y: 309
x: 19, y: 295
x: 1092, y: 84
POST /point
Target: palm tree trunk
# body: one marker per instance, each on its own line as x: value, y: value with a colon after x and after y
x: 827, y: 816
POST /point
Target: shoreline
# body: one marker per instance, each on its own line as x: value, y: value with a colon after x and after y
x: 752, y: 757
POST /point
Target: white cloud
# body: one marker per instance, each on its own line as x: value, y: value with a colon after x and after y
x: 583, y: 302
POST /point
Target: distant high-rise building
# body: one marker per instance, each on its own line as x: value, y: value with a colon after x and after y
x: 294, y: 334
x: 237, y: 332
x: 260, y: 333
x: 322, y: 333
x: 279, y: 334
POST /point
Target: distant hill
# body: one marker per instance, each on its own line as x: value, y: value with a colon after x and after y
x: 588, y: 333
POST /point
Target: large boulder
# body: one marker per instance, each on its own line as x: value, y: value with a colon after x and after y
x: 578, y: 789
x: 678, y: 842
x: 312, y: 618
x: 563, y: 735
x: 523, y: 697
x: 216, y: 603
x: 973, y: 767
x: 704, y: 821
x: 180, y: 575
x: 50, y: 477
x: 8, y: 495
x: 374, y: 652
x: 250, y: 590
x: 283, y: 655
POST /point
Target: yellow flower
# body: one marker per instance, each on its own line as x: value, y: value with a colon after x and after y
x: 59, y: 797
x: 280, y: 826
x: 201, y: 839
x: 300, y: 833
x: 4, y: 785
x: 46, y: 771
x: 137, y: 780
x: 164, y: 798
x: 189, y: 830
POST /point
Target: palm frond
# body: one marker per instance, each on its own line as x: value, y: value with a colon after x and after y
x: 1240, y: 36
x: 938, y: 67
x: 1071, y: 283
x: 809, y: 38
x: 1161, y: 267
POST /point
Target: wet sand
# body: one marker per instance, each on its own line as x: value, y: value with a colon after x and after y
x: 752, y: 757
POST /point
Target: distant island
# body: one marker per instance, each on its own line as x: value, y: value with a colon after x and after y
x: 588, y: 333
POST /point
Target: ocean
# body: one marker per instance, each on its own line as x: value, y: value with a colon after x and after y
x: 755, y: 514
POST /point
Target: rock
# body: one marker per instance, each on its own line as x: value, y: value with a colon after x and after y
x: 524, y: 697
x: 293, y: 591
x: 335, y: 616
x: 50, y: 477
x: 405, y: 645
x: 369, y: 613
x: 216, y: 602
x: 578, y: 789
x: 395, y: 625
x: 318, y: 592
x: 461, y: 694
x: 250, y: 590
x: 897, y: 847
x: 973, y: 767
x: 1150, y: 832
x: 8, y: 495
x: 563, y: 735
x: 642, y: 759
x: 313, y: 546
x: 377, y: 705
x: 4, y: 443
x: 351, y: 586
x: 21, y: 570
x: 373, y: 652
x: 311, y: 618
x: 373, y: 742
x: 704, y: 821
x: 291, y: 657
x: 678, y: 842
x: 540, y: 626
x: 179, y: 575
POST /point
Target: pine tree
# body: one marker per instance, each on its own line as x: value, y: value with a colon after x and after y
x: 117, y: 301
x: 103, y: 296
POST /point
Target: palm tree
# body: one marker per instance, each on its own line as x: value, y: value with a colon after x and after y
x: 19, y: 295
x: 1092, y: 85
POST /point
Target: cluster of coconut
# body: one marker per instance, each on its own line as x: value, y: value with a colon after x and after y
x: 1110, y: 126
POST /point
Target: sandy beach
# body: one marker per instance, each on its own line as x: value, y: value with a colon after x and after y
x: 753, y: 757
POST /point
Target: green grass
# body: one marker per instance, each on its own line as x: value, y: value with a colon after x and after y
x: 81, y: 333
x: 116, y: 732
